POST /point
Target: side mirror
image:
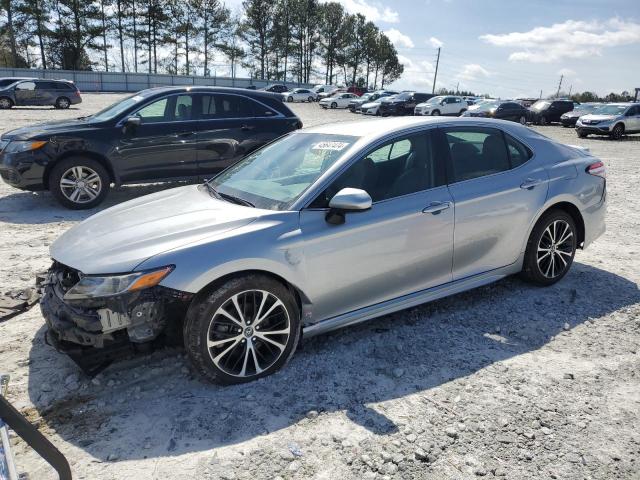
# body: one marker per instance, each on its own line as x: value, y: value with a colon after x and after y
x: 131, y: 123
x: 347, y: 200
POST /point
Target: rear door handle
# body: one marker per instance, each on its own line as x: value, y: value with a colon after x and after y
x: 530, y: 183
x: 436, y: 207
x: 247, y: 127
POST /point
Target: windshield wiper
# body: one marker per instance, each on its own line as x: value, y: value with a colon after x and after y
x: 225, y: 196
x: 238, y: 200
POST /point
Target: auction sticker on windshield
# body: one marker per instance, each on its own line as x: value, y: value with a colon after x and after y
x: 337, y: 146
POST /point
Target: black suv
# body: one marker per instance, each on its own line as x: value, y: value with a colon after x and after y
x: 58, y: 93
x: 157, y: 134
x: 546, y: 111
x: 276, y: 88
x: 403, y: 103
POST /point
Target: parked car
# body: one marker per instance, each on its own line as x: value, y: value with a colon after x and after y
x: 240, y: 263
x: 355, y: 106
x: 442, y: 105
x: 276, y: 88
x: 499, y: 109
x: 359, y: 91
x: 339, y: 100
x: 613, y: 119
x: 300, y: 95
x: 251, y: 87
x: 546, y: 111
x: 569, y: 119
x: 58, y: 93
x: 156, y: 134
x: 6, y: 81
x: 373, y: 108
x: 403, y: 103
x: 329, y: 91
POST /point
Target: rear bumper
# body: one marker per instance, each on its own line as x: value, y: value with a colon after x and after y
x: 594, y: 219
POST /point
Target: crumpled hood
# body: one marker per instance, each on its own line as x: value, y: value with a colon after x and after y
x: 46, y: 129
x: 118, y: 239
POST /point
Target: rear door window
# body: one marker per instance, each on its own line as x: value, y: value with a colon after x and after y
x: 475, y: 152
x: 218, y: 106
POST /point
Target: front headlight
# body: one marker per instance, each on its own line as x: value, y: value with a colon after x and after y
x: 109, y: 286
x: 22, y: 146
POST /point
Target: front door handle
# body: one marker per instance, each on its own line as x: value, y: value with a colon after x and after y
x: 530, y: 183
x: 247, y: 127
x: 186, y: 134
x: 436, y: 207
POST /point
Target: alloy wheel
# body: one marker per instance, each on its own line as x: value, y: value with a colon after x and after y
x: 5, y: 103
x: 555, y: 249
x: 248, y: 333
x: 63, y: 103
x: 80, y: 184
x: 617, y: 132
x: 523, y: 121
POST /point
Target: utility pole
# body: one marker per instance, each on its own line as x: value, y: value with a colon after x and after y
x: 570, y: 88
x: 435, y: 75
x: 540, y: 94
x: 559, y: 85
x: 457, y: 88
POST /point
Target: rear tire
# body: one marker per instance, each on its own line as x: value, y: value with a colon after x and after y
x: 617, y: 132
x: 5, y: 103
x: 79, y: 183
x: 222, y: 332
x: 550, y: 249
x: 63, y: 103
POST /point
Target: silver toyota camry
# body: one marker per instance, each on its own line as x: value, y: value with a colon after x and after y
x: 326, y: 227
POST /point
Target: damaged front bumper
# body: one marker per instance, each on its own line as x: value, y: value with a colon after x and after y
x: 105, y: 327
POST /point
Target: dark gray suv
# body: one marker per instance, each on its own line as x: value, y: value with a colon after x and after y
x: 58, y: 93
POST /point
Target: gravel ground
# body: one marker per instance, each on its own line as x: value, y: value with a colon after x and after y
x: 508, y: 380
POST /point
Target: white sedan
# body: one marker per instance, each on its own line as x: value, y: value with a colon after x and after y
x: 300, y: 95
x: 340, y: 100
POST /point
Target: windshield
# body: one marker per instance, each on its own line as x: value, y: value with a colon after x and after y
x: 586, y: 108
x: 540, y: 105
x: 401, y: 96
x: 275, y: 176
x: 611, y: 110
x: 117, y: 108
x: 435, y: 100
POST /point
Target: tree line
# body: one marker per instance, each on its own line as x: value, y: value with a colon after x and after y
x: 299, y: 40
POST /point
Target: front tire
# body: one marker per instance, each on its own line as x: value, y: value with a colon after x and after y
x: 63, y: 103
x: 550, y: 249
x: 5, y: 103
x: 334, y: 105
x: 435, y: 113
x: 582, y: 134
x: 79, y: 183
x: 543, y: 121
x: 290, y: 99
x: 310, y: 99
x: 617, y: 132
x: 246, y: 329
x: 522, y: 120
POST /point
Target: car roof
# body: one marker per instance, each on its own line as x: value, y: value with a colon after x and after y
x: 189, y: 88
x: 372, y: 130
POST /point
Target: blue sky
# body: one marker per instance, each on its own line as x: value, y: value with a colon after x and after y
x: 512, y: 48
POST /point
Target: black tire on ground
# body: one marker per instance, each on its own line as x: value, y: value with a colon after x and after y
x: 334, y: 105
x: 290, y: 99
x: 582, y: 134
x: 87, y: 165
x: 534, y: 267
x: 310, y: 99
x: 5, y: 103
x: 462, y: 111
x: 202, y: 314
x: 617, y: 132
x: 522, y: 120
x: 435, y: 113
x: 62, y: 103
x: 543, y: 120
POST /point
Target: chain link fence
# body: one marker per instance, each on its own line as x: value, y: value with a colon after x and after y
x: 133, y: 82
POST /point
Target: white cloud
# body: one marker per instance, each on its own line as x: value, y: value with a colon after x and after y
x: 416, y: 75
x: 472, y: 71
x: 571, y: 39
x: 398, y: 38
x: 567, y: 72
x: 373, y: 11
x: 435, y: 43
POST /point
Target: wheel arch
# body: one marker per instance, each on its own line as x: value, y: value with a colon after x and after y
x: 572, y: 210
x: 75, y: 153
x: 300, y: 297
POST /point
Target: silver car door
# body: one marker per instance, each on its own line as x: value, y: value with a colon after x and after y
x: 401, y: 245
x: 498, y: 186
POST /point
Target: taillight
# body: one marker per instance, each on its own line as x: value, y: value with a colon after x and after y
x: 598, y: 169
